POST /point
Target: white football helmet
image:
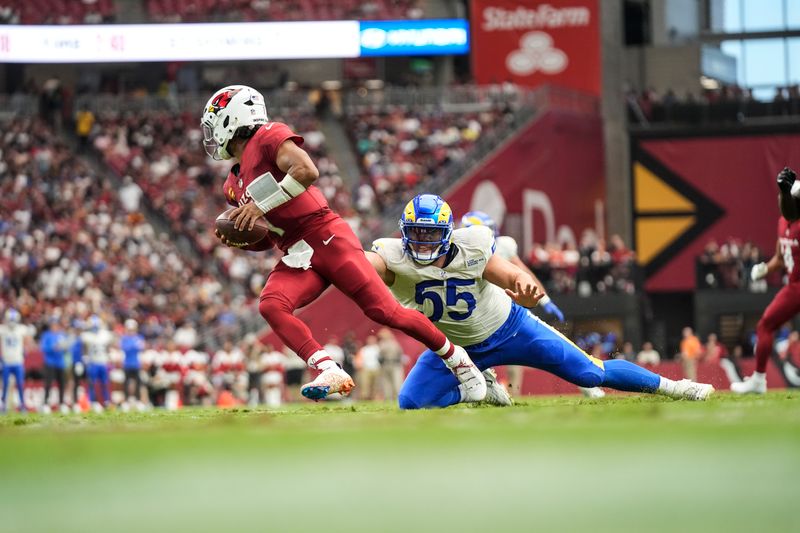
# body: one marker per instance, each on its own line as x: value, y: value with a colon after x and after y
x: 231, y: 108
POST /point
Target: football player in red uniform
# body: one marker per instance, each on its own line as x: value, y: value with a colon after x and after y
x: 273, y: 178
x: 786, y: 303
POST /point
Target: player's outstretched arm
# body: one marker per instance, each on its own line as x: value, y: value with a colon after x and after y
x: 547, y: 304
x: 789, y: 203
x: 518, y: 284
x: 380, y: 267
x: 762, y: 270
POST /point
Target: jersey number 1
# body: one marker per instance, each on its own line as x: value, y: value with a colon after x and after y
x: 452, y: 297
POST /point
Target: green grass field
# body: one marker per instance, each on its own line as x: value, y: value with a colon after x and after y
x: 547, y: 464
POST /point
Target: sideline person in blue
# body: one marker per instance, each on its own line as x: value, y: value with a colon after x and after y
x: 54, y: 344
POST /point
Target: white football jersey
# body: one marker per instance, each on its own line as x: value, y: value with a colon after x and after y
x: 506, y: 247
x: 12, y: 343
x: 463, y: 305
x: 96, y: 345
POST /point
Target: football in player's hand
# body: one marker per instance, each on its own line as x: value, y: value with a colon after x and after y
x: 244, y: 237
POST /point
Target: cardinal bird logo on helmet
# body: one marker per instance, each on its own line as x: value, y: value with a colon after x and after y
x: 221, y: 101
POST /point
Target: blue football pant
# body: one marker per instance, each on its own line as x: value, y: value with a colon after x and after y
x: 19, y: 377
x: 98, y: 374
x: 537, y: 345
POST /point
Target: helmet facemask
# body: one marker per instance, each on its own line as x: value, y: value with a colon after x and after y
x: 426, y: 243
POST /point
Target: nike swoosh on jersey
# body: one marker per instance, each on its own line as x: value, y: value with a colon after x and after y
x: 326, y: 241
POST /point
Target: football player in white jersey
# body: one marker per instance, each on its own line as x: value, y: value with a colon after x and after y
x: 507, y: 248
x: 481, y: 301
x: 13, y: 336
x: 96, y: 343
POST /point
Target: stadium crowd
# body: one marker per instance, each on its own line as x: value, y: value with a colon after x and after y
x: 726, y: 103
x: 71, y: 246
x: 175, y: 11
x: 591, y: 266
x: 727, y: 265
x: 400, y: 148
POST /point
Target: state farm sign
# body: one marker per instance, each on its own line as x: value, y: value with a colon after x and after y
x: 533, y: 43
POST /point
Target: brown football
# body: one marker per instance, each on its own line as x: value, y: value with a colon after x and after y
x: 241, y: 238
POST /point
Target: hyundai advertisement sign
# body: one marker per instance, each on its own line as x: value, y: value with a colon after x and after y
x: 414, y: 37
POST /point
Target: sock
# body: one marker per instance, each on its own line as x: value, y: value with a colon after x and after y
x: 759, y: 376
x: 320, y: 360
x: 447, y: 350
x: 453, y: 360
x: 626, y: 376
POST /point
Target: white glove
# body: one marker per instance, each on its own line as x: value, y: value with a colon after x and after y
x: 758, y: 271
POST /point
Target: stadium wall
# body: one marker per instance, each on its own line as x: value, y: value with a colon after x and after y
x: 690, y: 188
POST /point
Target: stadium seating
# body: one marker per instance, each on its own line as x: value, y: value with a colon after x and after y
x: 163, y: 155
x: 403, y: 147
x: 266, y: 10
x: 58, y: 11
x: 69, y: 247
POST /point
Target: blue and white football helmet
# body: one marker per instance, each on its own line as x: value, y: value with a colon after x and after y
x: 95, y: 323
x: 427, y: 228
x: 12, y: 316
x: 478, y: 218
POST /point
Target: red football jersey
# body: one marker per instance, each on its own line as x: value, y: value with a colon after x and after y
x: 789, y: 239
x: 291, y: 220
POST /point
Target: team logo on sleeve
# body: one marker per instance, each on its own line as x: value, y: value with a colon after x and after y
x: 231, y: 193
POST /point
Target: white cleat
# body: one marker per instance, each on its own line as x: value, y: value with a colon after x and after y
x: 593, y: 392
x: 473, y: 384
x: 97, y: 407
x: 496, y: 393
x: 686, y: 389
x: 329, y: 381
x: 46, y: 409
x: 755, y: 384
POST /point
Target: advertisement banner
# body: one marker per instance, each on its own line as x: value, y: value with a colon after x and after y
x: 105, y: 43
x: 688, y: 191
x: 534, y: 42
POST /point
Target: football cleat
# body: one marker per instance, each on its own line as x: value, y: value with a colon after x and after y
x: 755, y: 384
x: 473, y: 384
x: 687, y: 389
x: 592, y: 392
x: 496, y: 393
x: 328, y: 382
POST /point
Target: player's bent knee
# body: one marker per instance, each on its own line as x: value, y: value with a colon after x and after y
x: 272, y: 306
x: 588, y: 379
x: 405, y: 401
x: 382, y: 314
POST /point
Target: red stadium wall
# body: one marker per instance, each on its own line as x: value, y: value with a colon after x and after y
x: 550, y: 174
x: 724, y: 188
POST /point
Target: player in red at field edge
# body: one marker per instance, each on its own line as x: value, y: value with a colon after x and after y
x: 273, y: 178
x: 786, y: 303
